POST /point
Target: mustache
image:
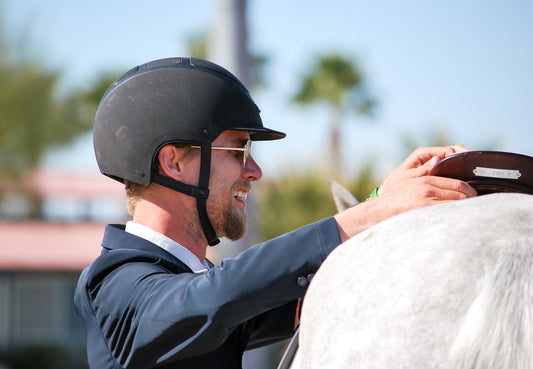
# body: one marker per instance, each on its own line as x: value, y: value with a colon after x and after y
x: 242, y: 185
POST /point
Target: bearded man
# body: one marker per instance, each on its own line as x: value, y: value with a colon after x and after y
x: 178, y: 133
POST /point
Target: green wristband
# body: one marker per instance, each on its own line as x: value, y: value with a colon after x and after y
x: 374, y: 193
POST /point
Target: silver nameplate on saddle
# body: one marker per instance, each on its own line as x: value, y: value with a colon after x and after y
x: 497, y: 173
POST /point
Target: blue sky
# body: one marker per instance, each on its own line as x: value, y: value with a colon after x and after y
x: 460, y: 67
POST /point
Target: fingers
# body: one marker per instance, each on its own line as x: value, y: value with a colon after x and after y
x: 442, y: 188
x: 427, y: 190
x: 425, y: 168
x: 411, y: 179
x: 409, y: 187
x: 458, y: 149
x: 422, y: 155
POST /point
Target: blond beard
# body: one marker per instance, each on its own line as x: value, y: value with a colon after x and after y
x: 235, y: 224
x: 228, y: 221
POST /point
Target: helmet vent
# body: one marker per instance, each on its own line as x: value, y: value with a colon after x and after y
x: 163, y: 63
x: 126, y: 75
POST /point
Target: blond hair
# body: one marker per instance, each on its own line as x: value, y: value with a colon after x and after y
x: 133, y: 192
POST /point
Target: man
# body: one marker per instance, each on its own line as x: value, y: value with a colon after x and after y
x: 178, y: 133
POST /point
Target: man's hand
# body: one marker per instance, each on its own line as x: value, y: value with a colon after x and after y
x: 407, y: 188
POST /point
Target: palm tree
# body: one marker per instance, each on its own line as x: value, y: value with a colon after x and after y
x: 337, y: 81
x: 35, y: 118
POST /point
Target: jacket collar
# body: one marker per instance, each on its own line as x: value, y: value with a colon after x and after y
x: 116, y: 238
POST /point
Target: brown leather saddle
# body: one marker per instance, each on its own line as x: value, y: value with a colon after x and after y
x: 489, y: 171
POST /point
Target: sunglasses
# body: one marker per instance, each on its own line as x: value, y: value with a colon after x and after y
x: 247, y: 150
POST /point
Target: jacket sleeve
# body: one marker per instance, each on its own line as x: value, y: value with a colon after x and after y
x: 148, y: 315
x: 273, y: 326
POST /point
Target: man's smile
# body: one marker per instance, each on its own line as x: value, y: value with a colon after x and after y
x: 240, y: 194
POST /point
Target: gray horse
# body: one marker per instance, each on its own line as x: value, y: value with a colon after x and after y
x: 447, y: 286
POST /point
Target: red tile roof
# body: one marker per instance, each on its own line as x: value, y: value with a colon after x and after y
x: 42, y: 246
x: 49, y: 246
x: 83, y: 185
x: 54, y: 183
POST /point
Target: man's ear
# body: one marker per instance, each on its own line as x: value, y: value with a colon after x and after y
x: 169, y: 163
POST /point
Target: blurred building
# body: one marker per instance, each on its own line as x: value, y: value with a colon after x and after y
x: 39, y: 266
x: 41, y: 259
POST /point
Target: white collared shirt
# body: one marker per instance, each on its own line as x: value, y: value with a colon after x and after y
x: 180, y: 252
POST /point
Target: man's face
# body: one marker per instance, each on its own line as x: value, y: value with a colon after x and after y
x: 229, y: 185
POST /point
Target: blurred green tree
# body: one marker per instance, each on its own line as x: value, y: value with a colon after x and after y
x: 197, y: 45
x: 34, y: 119
x: 338, y: 82
x: 294, y: 200
x: 35, y: 116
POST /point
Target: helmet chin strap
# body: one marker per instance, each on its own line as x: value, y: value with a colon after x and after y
x: 201, y: 192
x: 201, y: 202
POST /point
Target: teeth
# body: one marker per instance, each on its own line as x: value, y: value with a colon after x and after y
x: 241, y: 195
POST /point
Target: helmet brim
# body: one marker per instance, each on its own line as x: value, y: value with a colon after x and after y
x: 261, y: 133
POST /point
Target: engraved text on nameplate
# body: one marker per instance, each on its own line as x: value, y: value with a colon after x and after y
x: 497, y: 173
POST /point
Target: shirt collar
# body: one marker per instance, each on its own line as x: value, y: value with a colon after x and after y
x: 180, y: 252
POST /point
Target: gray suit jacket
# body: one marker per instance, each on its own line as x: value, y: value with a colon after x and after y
x: 143, y: 308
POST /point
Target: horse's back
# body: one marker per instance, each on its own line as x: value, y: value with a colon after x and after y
x: 445, y: 286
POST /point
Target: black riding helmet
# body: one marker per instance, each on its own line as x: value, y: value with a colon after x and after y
x: 175, y: 100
